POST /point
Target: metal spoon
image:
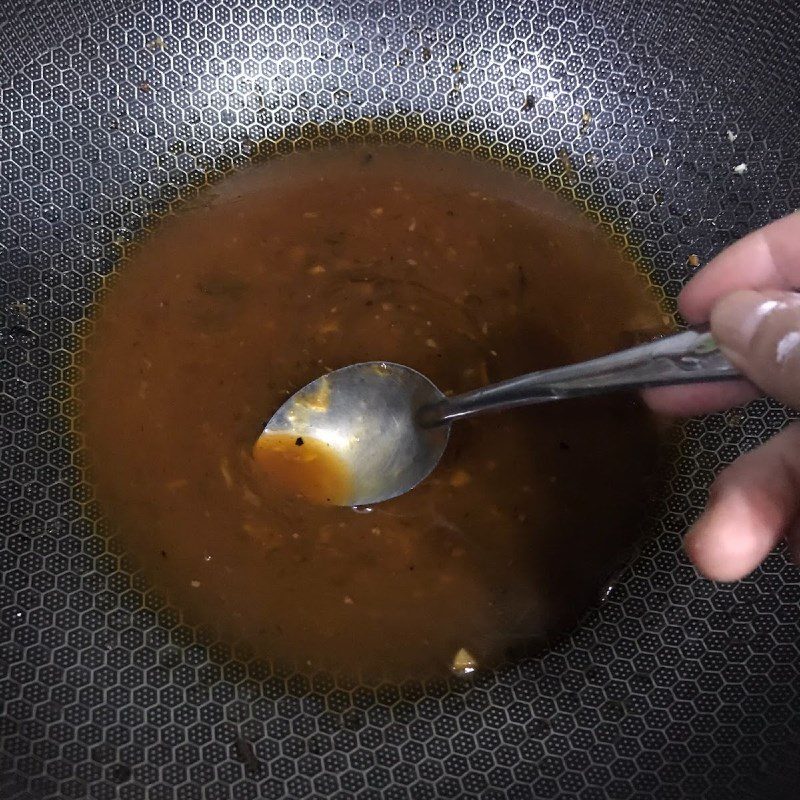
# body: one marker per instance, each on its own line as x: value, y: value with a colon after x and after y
x: 390, y: 424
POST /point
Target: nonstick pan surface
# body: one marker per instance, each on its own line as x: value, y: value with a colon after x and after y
x: 111, y: 111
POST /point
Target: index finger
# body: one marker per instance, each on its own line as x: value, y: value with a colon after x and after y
x: 768, y: 258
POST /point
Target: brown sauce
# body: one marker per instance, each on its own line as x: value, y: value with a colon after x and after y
x: 310, y: 263
x: 305, y: 468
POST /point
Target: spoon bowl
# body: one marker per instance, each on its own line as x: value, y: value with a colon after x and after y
x: 366, y: 414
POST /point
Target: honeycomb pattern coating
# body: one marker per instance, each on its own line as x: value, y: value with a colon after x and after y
x: 110, y: 112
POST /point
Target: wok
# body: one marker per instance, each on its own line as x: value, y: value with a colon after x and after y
x: 113, y: 111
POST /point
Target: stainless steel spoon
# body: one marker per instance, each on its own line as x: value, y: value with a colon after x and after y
x: 389, y: 424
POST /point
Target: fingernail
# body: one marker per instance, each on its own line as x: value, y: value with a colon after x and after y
x: 736, y: 318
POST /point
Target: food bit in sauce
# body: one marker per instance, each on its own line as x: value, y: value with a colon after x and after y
x: 305, y: 467
x: 464, y: 663
x: 459, y: 478
x: 469, y: 275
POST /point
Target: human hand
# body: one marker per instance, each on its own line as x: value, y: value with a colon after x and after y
x: 746, y: 295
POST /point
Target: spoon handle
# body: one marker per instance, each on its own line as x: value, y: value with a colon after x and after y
x: 689, y: 357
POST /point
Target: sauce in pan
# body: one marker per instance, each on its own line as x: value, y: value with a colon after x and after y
x: 307, y: 468
x: 317, y: 261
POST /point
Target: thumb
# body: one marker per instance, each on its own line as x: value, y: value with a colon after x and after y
x: 760, y: 333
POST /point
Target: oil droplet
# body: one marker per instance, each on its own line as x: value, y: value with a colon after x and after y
x: 303, y: 466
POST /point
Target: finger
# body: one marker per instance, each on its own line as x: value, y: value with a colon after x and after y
x: 766, y: 258
x: 701, y: 398
x: 751, y: 505
x: 760, y: 333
